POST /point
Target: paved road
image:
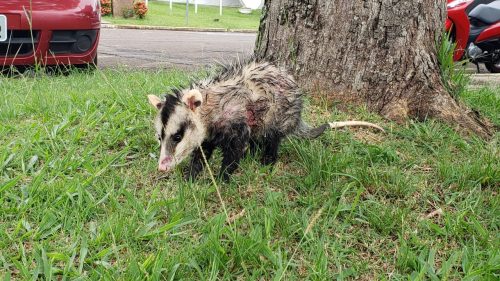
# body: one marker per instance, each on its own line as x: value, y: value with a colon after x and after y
x: 151, y: 49
x: 163, y: 48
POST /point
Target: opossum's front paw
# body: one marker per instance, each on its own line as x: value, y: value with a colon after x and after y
x: 190, y: 174
x: 187, y: 177
x: 268, y: 160
x: 225, y: 177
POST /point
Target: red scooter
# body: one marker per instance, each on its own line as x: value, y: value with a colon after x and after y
x: 475, y: 27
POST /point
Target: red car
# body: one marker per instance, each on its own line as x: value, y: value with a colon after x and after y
x: 49, y: 32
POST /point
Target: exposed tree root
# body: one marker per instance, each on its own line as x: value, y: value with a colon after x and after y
x: 440, y: 106
x: 459, y: 116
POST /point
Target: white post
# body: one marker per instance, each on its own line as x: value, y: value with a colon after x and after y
x: 220, y: 7
x: 170, y: 6
x: 187, y: 12
x: 146, y: 2
x: 195, y: 6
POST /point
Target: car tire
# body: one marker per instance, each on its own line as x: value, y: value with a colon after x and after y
x: 493, y: 67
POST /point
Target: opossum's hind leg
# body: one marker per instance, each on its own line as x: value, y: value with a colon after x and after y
x: 271, y: 143
x: 197, y: 163
x: 233, y: 149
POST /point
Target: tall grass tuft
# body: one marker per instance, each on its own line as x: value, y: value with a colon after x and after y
x: 453, y: 74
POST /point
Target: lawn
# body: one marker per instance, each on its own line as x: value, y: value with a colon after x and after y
x: 208, y: 17
x: 80, y: 195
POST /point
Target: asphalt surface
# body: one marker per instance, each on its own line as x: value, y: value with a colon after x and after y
x: 151, y: 49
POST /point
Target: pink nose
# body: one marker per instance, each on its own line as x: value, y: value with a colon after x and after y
x: 164, y: 164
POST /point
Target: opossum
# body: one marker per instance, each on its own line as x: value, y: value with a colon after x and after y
x: 244, y: 106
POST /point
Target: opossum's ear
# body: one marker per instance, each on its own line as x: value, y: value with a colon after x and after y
x: 155, y: 101
x: 192, y: 99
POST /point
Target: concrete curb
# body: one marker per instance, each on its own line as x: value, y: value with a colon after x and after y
x: 194, y: 29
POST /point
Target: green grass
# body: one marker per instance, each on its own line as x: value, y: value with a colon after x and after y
x: 208, y: 17
x: 80, y: 195
x: 453, y: 74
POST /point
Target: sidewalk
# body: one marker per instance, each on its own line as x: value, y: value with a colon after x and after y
x: 106, y: 24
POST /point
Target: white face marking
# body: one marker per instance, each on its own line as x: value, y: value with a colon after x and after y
x: 183, y: 133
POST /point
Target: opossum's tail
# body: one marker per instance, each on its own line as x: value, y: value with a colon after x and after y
x: 335, y: 125
x: 308, y: 132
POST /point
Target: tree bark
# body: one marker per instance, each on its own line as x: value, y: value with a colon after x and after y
x: 120, y: 5
x: 378, y: 52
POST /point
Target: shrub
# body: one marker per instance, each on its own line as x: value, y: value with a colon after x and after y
x: 127, y: 13
x: 140, y: 9
x: 106, y: 7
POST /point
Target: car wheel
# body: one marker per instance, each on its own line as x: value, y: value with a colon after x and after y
x: 493, y: 67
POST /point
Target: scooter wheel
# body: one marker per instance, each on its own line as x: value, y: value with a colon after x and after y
x: 493, y: 67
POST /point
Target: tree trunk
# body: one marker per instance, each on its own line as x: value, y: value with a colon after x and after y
x: 378, y: 52
x: 120, y: 5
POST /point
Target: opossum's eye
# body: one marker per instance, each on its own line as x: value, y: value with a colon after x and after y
x: 177, y: 138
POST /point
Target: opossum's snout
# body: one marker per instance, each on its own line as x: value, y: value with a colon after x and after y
x: 165, y: 164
